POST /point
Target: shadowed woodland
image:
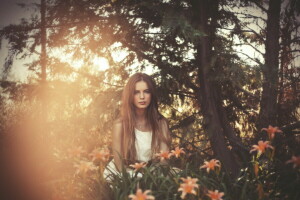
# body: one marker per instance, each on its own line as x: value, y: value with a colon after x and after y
x: 227, y: 73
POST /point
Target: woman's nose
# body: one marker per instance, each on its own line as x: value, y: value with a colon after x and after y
x: 142, y: 95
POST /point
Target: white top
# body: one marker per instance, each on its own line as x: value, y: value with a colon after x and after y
x: 143, y: 145
x: 143, y: 151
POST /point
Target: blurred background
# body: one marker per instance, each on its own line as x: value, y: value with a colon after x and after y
x: 224, y: 70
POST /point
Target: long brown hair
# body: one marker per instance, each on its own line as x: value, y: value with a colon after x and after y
x: 128, y: 118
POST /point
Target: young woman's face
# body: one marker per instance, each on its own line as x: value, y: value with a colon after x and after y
x: 142, y: 95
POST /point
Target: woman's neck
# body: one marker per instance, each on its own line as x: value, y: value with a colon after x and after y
x: 140, y: 114
x: 140, y: 118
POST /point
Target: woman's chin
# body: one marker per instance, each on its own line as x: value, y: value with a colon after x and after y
x: 141, y: 107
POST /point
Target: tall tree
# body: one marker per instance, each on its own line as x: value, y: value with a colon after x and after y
x: 183, y: 39
x: 268, y: 103
x: 182, y: 29
x: 289, y: 93
x: 43, y: 61
x: 29, y: 39
x: 215, y: 122
x: 280, y: 40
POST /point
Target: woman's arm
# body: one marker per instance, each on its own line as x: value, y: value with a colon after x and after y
x: 116, y: 143
x: 165, y: 145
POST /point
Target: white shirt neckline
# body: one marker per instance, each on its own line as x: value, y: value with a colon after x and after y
x: 142, y: 131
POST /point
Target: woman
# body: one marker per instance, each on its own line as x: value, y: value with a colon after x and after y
x: 141, y: 131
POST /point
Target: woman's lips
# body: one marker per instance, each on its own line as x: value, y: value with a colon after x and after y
x: 142, y: 103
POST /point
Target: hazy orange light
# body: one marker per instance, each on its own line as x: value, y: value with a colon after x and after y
x: 100, y: 63
x: 76, y: 63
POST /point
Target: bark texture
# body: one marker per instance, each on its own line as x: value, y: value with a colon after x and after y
x: 214, y: 125
x: 268, y: 105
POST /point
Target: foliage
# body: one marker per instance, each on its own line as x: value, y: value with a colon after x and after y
x: 260, y: 179
x: 83, y: 102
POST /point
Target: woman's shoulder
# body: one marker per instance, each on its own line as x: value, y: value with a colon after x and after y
x: 118, y: 121
x: 118, y: 124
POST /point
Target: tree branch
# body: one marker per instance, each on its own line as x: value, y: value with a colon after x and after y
x: 292, y: 51
x: 255, y: 60
x: 255, y: 48
x: 290, y: 127
x: 250, y: 16
x: 184, y: 123
x: 189, y: 94
x: 260, y: 6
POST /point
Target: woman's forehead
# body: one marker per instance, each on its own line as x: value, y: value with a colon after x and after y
x: 141, y: 85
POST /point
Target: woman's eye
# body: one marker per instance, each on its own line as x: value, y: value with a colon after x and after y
x: 136, y: 92
x: 147, y: 91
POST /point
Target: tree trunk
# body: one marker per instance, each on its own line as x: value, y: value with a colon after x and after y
x: 43, y: 57
x: 284, y: 108
x: 43, y: 63
x: 43, y: 76
x: 268, y: 104
x: 203, y: 10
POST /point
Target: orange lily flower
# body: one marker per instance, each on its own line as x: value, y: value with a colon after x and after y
x: 210, y: 165
x: 261, y: 147
x: 163, y: 155
x: 295, y: 160
x: 189, y: 180
x: 140, y: 195
x: 188, y: 187
x: 76, y: 152
x: 271, y: 131
x: 138, y: 166
x: 84, y: 167
x: 177, y: 152
x: 102, y: 155
x: 215, y: 195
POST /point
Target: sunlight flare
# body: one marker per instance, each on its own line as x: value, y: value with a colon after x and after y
x: 100, y: 63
